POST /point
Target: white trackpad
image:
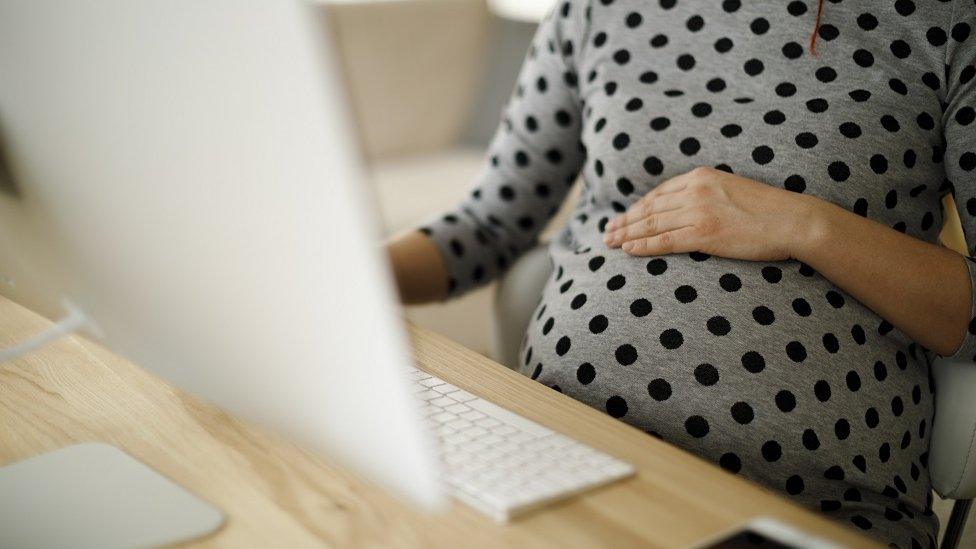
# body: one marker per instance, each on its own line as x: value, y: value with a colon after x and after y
x: 95, y: 495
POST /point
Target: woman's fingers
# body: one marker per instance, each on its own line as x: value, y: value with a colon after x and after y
x: 650, y: 204
x: 651, y: 225
x: 672, y: 242
x: 673, y: 185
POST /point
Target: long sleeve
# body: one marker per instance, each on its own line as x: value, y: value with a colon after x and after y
x: 532, y: 161
x: 959, y: 125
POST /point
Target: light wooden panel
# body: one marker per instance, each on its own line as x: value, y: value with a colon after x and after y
x: 412, y: 69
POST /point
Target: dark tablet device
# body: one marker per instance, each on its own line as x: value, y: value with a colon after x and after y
x: 766, y: 533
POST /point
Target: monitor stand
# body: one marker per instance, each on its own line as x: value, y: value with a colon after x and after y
x: 95, y: 495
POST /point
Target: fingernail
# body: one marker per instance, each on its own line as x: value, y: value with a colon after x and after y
x: 612, y: 225
x: 628, y: 246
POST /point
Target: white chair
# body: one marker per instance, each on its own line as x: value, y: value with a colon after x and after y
x: 952, y: 451
x: 952, y: 454
x: 516, y: 296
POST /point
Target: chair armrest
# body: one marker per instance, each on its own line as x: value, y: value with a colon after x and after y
x: 952, y: 451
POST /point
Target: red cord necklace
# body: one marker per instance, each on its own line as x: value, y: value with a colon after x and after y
x: 816, y: 29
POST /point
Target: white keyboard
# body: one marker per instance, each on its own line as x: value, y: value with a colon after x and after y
x: 501, y: 463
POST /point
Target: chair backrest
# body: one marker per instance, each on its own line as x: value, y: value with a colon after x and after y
x: 952, y: 452
x: 516, y: 296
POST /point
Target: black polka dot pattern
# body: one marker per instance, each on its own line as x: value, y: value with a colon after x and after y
x: 767, y: 369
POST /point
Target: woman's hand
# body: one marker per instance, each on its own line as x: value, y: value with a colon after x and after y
x: 718, y: 213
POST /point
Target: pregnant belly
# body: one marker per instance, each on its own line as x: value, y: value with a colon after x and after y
x: 712, y: 353
x: 613, y: 308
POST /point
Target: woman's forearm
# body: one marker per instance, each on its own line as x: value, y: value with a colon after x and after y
x: 922, y: 289
x: 418, y: 267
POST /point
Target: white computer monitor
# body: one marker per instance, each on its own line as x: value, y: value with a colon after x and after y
x: 184, y: 172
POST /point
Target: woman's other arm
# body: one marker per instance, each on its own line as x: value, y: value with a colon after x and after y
x: 532, y: 162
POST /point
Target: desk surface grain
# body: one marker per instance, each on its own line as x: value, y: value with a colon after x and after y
x: 276, y: 494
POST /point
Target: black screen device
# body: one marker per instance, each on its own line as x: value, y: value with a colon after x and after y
x: 749, y: 539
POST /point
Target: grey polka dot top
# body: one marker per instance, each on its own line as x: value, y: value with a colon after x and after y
x: 767, y: 369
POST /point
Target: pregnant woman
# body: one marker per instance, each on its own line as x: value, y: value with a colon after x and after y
x: 752, y: 271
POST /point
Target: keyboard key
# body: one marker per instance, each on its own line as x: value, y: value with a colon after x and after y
x: 458, y: 409
x: 443, y: 417
x: 493, y: 424
x: 445, y: 388
x: 473, y: 415
x: 460, y: 423
x: 443, y: 402
x: 462, y: 396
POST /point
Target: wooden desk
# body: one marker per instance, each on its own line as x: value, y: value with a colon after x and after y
x: 277, y: 495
